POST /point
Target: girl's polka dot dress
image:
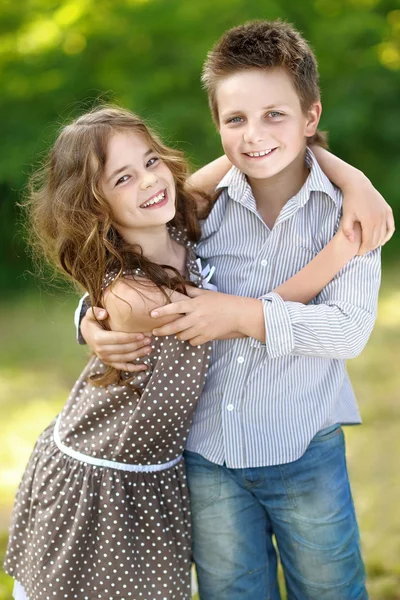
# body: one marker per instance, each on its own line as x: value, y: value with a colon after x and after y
x: 102, y: 510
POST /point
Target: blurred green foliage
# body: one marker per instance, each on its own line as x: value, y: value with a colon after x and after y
x: 58, y: 57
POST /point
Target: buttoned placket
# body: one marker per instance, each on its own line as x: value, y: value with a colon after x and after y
x: 231, y: 400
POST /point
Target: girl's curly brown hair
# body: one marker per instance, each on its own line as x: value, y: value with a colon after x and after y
x: 64, y: 204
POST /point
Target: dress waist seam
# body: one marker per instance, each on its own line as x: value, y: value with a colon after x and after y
x: 109, y: 464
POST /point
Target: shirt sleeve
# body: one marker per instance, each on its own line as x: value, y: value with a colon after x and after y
x: 80, y: 312
x: 339, y: 322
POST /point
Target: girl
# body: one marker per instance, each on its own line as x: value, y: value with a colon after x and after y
x: 102, y: 509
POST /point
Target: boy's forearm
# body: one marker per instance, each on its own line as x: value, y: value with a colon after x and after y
x: 337, y: 332
x: 338, y: 326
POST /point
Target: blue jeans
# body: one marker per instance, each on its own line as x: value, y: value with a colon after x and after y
x: 306, y: 504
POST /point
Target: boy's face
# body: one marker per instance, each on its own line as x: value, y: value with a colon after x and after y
x: 263, y: 128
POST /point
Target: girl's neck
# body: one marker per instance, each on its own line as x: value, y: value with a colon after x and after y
x: 158, y: 246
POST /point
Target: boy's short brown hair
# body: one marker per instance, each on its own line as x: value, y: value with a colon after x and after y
x: 264, y: 45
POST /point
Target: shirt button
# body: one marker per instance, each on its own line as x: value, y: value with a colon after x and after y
x: 230, y: 407
x: 240, y: 359
x: 264, y: 263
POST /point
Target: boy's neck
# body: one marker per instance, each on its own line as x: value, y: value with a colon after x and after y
x: 273, y: 193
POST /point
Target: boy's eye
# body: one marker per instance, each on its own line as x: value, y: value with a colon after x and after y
x: 235, y: 120
x: 122, y: 179
x: 152, y: 161
x: 274, y: 114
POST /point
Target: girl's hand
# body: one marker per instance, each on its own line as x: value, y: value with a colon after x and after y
x: 116, y: 349
x: 364, y: 204
x: 361, y: 202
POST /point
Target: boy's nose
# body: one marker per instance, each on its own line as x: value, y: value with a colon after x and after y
x: 252, y: 135
x: 148, y: 180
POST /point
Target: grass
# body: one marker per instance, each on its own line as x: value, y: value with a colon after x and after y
x: 40, y: 360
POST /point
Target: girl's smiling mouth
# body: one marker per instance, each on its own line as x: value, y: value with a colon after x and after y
x: 156, y: 201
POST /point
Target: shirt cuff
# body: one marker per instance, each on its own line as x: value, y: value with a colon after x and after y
x: 278, y: 326
x: 80, y: 312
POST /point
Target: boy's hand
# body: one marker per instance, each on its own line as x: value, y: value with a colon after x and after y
x: 206, y: 316
x: 373, y: 213
x: 116, y: 349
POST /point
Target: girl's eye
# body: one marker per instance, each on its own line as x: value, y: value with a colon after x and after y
x: 122, y: 179
x: 152, y: 161
x: 235, y: 120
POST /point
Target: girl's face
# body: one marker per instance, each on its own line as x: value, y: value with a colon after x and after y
x: 138, y: 186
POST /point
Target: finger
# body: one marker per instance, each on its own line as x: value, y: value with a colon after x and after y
x: 123, y: 366
x: 173, y: 328
x: 89, y: 314
x: 390, y: 228
x: 188, y: 334
x: 194, y: 292
x: 128, y: 357
x: 199, y: 340
x: 124, y: 349
x: 176, y: 308
x: 367, y: 238
x: 99, y: 313
x: 175, y: 296
x: 347, y: 226
x: 381, y: 235
x: 378, y: 235
x: 113, y: 338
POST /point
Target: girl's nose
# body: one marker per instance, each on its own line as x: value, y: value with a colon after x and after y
x: 148, y: 180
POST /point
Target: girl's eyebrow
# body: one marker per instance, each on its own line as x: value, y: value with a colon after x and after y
x: 120, y: 169
x: 117, y: 172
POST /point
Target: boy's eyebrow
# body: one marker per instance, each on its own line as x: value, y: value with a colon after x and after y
x: 120, y: 169
x: 277, y: 105
x: 269, y: 107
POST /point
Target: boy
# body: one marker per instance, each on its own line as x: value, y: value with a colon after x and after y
x: 266, y: 451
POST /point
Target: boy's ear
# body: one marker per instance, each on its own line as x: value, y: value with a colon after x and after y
x: 313, y: 117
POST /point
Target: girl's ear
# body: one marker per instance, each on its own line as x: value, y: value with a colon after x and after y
x: 313, y: 117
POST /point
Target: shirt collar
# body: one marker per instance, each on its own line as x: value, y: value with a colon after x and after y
x: 238, y: 187
x: 236, y: 183
x: 316, y: 181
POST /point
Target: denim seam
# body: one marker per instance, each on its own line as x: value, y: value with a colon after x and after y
x: 288, y: 488
x: 201, y: 505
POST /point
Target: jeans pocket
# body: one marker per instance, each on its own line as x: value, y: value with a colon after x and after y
x: 204, y: 481
x: 327, y: 433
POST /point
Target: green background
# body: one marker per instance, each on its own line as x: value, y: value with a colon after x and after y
x: 57, y: 59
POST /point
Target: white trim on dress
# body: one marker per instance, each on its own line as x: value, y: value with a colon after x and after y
x: 19, y: 592
x: 109, y: 464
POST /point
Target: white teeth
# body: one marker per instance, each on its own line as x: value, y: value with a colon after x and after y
x: 154, y: 200
x: 262, y: 153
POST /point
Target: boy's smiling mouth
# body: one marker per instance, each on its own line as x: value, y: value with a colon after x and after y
x: 259, y: 153
x: 156, y: 200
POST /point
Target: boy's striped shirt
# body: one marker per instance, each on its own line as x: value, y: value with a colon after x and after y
x: 263, y: 403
